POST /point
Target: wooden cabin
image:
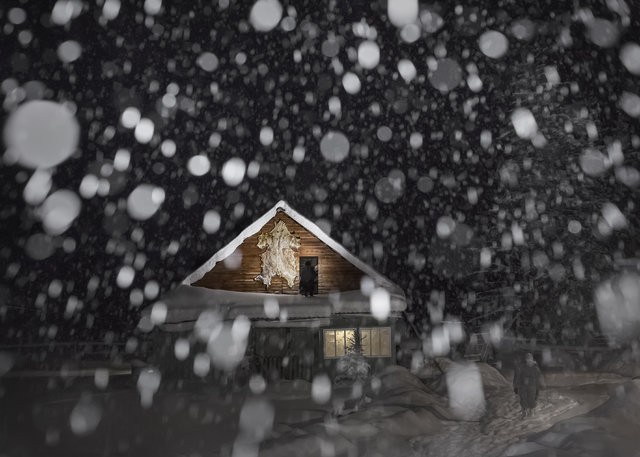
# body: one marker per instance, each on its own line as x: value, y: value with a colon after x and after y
x: 257, y: 275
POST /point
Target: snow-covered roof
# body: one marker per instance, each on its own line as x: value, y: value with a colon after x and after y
x: 314, y: 229
x: 185, y: 303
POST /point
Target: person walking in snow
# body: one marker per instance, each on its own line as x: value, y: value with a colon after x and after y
x: 526, y: 384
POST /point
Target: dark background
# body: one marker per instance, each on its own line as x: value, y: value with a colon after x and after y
x: 272, y: 89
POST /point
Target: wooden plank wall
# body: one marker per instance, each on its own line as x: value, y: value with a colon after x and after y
x: 334, y: 272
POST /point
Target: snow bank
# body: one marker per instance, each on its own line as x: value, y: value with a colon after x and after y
x: 553, y: 358
x: 491, y: 377
x: 566, y: 378
x: 625, y: 364
x: 401, y: 388
x: 625, y: 404
x: 289, y: 390
x: 610, y: 429
x: 185, y: 303
x: 401, y: 408
x: 394, y: 377
x: 409, y: 423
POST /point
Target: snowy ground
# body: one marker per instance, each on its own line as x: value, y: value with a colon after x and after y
x: 503, y: 425
x: 611, y: 429
x: 403, y: 417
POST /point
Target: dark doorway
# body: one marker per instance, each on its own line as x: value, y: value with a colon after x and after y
x: 314, y: 264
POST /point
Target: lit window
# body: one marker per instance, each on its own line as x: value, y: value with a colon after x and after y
x: 376, y: 341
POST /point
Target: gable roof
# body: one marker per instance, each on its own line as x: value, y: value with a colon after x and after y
x: 314, y: 229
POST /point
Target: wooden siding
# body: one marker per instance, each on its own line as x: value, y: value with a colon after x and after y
x: 334, y: 272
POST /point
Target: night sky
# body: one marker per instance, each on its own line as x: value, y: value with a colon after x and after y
x: 498, y: 225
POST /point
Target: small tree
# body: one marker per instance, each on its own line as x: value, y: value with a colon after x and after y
x: 354, y: 343
x: 353, y: 366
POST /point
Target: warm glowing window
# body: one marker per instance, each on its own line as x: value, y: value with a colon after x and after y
x: 376, y: 341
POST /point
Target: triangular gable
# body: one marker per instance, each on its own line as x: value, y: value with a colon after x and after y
x: 314, y: 229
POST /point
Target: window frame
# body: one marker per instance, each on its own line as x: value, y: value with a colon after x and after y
x: 381, y: 354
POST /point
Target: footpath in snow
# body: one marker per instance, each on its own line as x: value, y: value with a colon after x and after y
x: 565, y: 396
x: 609, y: 430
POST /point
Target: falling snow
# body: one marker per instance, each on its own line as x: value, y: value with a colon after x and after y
x: 484, y: 158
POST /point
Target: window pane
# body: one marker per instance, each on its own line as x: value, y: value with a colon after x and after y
x: 366, y: 341
x: 375, y: 342
x: 385, y: 342
x: 329, y: 343
x: 340, y: 343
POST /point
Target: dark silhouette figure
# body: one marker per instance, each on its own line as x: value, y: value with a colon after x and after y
x: 307, y: 279
x: 526, y: 383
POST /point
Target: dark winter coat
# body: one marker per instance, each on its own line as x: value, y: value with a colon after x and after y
x: 526, y: 384
x: 307, y: 276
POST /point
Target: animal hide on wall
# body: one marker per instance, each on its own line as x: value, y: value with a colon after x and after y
x: 279, y: 258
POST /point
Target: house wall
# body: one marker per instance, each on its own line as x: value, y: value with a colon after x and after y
x: 303, y: 347
x: 334, y: 272
x: 268, y: 347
